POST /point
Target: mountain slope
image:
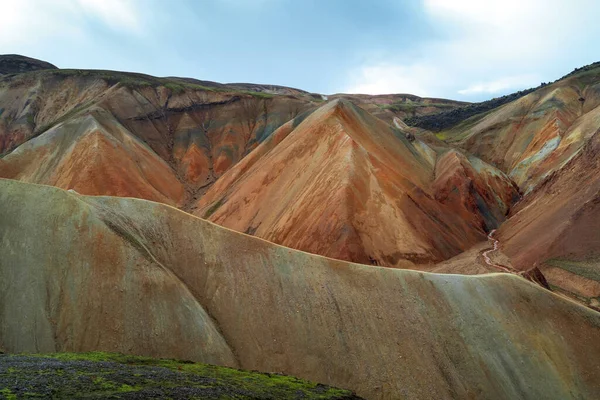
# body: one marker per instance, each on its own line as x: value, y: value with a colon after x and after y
x: 547, y: 142
x: 556, y: 227
x: 99, y: 273
x: 94, y: 154
x: 346, y: 185
x: 198, y: 131
x: 200, y: 128
x: 537, y: 134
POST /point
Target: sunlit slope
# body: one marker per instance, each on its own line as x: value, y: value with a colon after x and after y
x: 99, y: 273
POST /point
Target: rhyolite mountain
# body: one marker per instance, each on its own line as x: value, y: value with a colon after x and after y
x: 344, y: 184
x: 119, y: 255
x: 547, y: 142
x: 171, y: 139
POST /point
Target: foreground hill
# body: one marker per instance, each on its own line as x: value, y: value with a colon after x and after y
x: 108, y: 375
x: 84, y: 273
x: 344, y: 184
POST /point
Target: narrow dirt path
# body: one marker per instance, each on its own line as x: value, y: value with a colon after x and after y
x: 488, y: 260
x: 533, y: 274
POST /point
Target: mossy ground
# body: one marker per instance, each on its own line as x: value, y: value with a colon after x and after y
x: 118, y: 376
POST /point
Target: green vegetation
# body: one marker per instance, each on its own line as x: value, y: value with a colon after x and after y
x: 461, y: 131
x: 213, y: 208
x: 259, y: 95
x: 585, y: 68
x: 411, y: 107
x: 102, y: 375
x: 586, y: 269
x: 8, y: 394
x: 178, y: 87
x: 448, y: 119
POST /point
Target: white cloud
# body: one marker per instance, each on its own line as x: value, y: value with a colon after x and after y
x: 502, y: 84
x: 487, y: 47
x: 388, y: 78
x: 27, y: 22
x: 123, y: 15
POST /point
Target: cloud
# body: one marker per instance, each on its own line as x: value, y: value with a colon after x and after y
x: 27, y: 22
x: 503, y: 84
x: 483, y: 47
x: 389, y: 78
x: 121, y: 15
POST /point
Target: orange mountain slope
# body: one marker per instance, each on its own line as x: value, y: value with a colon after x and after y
x: 94, y: 154
x: 199, y: 128
x: 81, y: 273
x: 346, y: 185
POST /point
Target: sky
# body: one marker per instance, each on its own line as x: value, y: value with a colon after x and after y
x: 459, y: 49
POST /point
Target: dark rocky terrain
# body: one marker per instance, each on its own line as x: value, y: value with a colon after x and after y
x: 16, y: 64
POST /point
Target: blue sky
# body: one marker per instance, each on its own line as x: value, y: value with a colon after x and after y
x: 460, y: 49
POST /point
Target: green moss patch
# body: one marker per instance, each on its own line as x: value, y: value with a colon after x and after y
x: 108, y: 375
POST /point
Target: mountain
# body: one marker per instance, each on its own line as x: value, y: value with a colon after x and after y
x: 81, y: 273
x: 537, y: 134
x: 16, y: 64
x: 101, y: 252
x: 171, y: 139
x: 556, y: 227
x: 547, y: 142
x: 344, y: 184
x: 199, y: 128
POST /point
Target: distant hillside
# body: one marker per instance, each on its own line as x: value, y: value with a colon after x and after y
x: 447, y: 119
x: 16, y: 64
